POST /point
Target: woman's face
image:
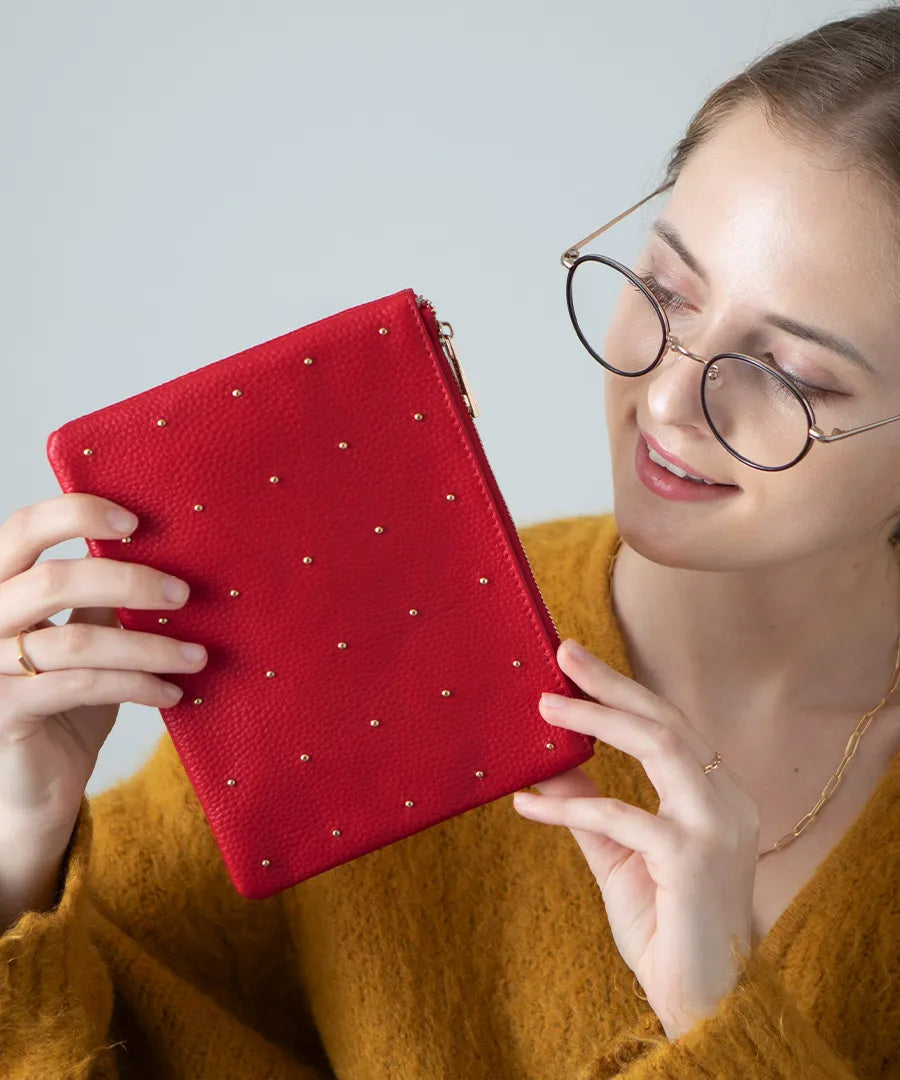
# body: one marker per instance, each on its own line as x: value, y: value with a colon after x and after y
x: 776, y: 231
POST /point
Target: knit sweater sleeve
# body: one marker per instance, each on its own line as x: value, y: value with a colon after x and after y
x: 757, y: 1031
x: 151, y: 964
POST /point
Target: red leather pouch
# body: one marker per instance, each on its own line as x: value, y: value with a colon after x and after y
x: 377, y: 641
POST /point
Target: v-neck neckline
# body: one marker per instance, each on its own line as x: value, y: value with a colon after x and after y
x: 859, y: 836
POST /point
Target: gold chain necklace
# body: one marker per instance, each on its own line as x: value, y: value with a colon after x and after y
x: 850, y: 750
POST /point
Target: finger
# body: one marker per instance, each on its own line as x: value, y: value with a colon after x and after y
x: 57, y: 584
x: 670, y: 764
x: 608, y: 686
x: 598, y: 850
x: 611, y: 688
x: 24, y: 702
x: 83, y: 645
x: 629, y: 826
x: 565, y: 784
x: 97, y: 616
x: 28, y: 531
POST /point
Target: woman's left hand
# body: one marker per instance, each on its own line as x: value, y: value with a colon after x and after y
x: 677, y: 885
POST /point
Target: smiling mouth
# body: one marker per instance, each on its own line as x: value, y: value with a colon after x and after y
x: 679, y: 470
x: 658, y: 459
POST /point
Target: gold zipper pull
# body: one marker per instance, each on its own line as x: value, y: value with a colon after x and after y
x: 446, y: 338
x: 465, y: 386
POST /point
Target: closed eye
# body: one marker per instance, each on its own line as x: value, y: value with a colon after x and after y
x: 666, y: 297
x: 670, y: 300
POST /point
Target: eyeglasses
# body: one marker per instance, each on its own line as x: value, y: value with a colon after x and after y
x: 759, y: 413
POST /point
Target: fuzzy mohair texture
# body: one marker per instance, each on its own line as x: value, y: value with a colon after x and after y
x: 478, y: 949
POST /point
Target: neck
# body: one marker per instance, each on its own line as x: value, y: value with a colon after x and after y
x: 740, y: 649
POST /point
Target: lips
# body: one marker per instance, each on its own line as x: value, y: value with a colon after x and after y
x: 679, y: 462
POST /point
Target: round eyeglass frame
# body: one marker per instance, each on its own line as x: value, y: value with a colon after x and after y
x: 671, y: 342
x: 570, y: 259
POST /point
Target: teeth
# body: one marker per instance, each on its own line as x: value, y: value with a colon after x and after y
x: 674, y: 468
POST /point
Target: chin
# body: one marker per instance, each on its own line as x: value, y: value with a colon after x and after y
x: 661, y: 531
x: 648, y: 536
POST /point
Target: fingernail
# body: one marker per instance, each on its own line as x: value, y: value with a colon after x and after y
x: 172, y: 692
x: 523, y: 797
x: 174, y: 589
x: 192, y: 652
x: 575, y: 649
x: 122, y: 520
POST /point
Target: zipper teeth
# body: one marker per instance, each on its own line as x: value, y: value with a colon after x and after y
x: 540, y: 594
x: 423, y: 301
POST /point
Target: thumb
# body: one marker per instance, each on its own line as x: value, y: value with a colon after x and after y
x: 569, y: 784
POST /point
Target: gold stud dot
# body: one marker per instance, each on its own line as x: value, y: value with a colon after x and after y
x: 160, y: 423
x: 198, y: 506
x: 273, y: 479
x: 265, y: 862
x: 231, y: 782
x: 517, y: 663
x: 236, y: 393
x: 342, y: 644
x: 480, y: 774
x: 234, y: 592
x: 413, y: 611
x: 87, y: 452
x: 450, y: 498
x: 551, y: 746
x: 417, y: 416
x: 198, y: 700
x: 379, y: 529
x: 383, y: 330
x: 483, y: 580
x: 409, y: 802
x: 374, y: 723
x: 342, y: 445
x: 163, y: 621
x: 126, y: 539
x: 308, y: 360
x: 270, y: 674
x: 335, y: 832
x: 445, y: 693
x: 307, y: 558
x: 304, y: 757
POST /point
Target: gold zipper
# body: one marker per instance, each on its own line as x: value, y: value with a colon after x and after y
x: 472, y: 406
x: 445, y: 333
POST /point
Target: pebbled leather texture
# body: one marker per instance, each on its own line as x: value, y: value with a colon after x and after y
x: 302, y: 746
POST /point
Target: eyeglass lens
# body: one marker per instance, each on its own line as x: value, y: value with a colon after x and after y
x: 749, y: 407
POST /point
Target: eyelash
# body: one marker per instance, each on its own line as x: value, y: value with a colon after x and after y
x: 669, y: 299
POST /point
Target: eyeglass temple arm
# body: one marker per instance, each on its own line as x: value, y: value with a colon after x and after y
x: 816, y: 432
x: 571, y: 253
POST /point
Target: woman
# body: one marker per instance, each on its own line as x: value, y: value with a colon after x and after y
x: 741, y: 637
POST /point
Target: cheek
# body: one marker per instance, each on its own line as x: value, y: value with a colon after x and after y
x: 620, y: 401
x: 617, y: 345
x: 841, y: 491
x: 870, y: 486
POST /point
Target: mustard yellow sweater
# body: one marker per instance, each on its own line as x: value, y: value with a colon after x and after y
x: 479, y: 948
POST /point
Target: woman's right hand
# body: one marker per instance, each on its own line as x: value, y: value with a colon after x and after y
x: 53, y: 724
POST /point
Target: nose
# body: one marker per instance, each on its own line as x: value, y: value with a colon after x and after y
x: 673, y: 393
x: 673, y: 345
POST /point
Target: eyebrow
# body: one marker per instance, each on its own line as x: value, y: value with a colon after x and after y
x: 668, y: 233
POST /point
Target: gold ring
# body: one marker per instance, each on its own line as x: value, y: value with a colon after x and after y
x: 30, y: 669
x: 714, y: 764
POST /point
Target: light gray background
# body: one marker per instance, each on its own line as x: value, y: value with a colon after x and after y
x: 185, y: 180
